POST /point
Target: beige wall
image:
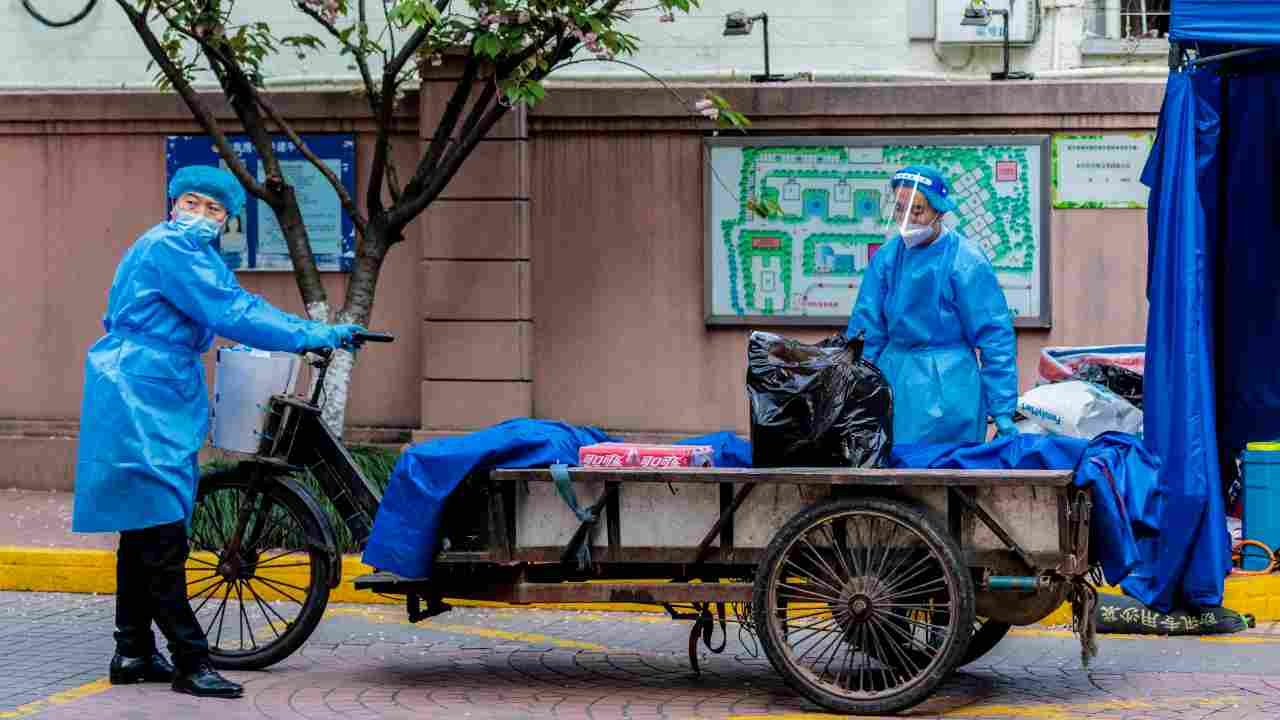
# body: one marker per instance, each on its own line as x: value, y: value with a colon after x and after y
x: 79, y: 191
x: 560, y: 276
x: 618, y: 295
x: 618, y: 231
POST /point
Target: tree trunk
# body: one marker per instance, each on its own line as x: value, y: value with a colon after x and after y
x: 305, y: 272
x: 361, y: 286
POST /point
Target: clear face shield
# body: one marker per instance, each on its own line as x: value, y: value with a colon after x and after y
x: 906, y: 212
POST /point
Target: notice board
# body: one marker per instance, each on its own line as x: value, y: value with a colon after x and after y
x: 805, y: 266
x: 253, y: 240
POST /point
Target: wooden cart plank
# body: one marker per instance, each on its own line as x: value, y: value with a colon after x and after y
x: 806, y: 476
x: 648, y: 593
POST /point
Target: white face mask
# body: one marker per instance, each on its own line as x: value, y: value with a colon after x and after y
x: 203, y: 229
x: 914, y: 235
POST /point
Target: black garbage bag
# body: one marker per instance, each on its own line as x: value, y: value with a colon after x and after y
x: 1119, y: 380
x: 817, y: 405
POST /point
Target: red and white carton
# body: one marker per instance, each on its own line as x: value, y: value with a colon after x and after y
x: 644, y: 455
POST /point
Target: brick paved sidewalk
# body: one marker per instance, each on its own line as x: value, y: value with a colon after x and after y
x: 41, y: 520
x: 367, y: 662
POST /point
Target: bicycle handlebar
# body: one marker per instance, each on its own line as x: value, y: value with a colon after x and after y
x: 357, y: 340
x: 325, y: 356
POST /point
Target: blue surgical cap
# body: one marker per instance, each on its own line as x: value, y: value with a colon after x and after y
x: 929, y: 181
x: 209, y: 181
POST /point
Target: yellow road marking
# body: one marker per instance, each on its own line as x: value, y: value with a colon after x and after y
x: 530, y: 638
x: 60, y: 698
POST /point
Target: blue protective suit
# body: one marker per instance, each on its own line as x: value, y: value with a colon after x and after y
x: 925, y: 310
x: 145, y: 411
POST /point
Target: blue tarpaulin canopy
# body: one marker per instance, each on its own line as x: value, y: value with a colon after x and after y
x: 1250, y: 22
x: 1213, y: 329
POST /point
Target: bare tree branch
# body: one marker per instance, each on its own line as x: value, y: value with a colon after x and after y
x: 461, y: 93
x: 203, y: 116
x: 347, y: 203
x: 237, y: 87
x: 452, y: 162
x: 362, y: 62
x: 390, y: 32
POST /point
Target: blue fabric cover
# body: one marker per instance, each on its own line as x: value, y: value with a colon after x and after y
x: 1121, y: 473
x: 924, y: 311
x: 731, y: 451
x: 1191, y: 552
x: 408, y: 521
x: 1127, y: 502
x: 1248, y: 22
x: 1249, y: 386
x: 145, y: 409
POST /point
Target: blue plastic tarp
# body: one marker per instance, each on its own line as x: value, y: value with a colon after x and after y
x: 1122, y: 474
x: 1249, y: 386
x: 406, y: 529
x: 1251, y: 22
x: 1192, y: 548
x: 404, y: 539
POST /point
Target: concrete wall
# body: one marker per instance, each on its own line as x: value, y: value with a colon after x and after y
x: 559, y: 276
x: 617, y: 291
x: 823, y: 36
x: 84, y: 176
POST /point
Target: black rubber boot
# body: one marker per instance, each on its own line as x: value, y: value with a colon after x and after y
x: 128, y: 671
x: 205, y: 682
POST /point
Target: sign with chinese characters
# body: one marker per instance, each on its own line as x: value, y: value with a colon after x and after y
x: 804, y: 263
x: 1100, y: 171
x: 253, y: 239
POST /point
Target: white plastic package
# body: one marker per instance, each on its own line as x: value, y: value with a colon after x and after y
x: 1079, y: 409
x: 244, y: 381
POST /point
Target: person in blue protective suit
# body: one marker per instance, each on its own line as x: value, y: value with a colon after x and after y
x: 145, y: 415
x: 936, y: 321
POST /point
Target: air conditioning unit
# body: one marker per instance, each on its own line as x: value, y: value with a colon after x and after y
x: 1024, y: 23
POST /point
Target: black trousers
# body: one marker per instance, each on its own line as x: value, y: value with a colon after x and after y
x: 151, y: 586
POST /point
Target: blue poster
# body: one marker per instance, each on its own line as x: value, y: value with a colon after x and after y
x: 253, y: 240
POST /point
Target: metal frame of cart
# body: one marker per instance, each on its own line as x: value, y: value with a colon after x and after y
x: 911, y: 573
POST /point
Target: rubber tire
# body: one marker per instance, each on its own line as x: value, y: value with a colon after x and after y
x: 961, y: 585
x: 986, y: 635
x: 284, y: 491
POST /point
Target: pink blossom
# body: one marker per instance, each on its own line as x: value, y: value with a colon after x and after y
x: 704, y: 104
x: 712, y: 113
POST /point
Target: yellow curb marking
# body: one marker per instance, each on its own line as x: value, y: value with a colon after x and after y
x: 94, y: 571
x: 59, y: 698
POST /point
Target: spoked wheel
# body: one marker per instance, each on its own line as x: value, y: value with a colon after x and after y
x: 863, y: 605
x: 259, y: 602
x: 987, y: 633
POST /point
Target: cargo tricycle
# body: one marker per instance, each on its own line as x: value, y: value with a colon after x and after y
x: 865, y: 587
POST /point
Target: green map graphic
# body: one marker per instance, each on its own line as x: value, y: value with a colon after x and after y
x: 811, y: 258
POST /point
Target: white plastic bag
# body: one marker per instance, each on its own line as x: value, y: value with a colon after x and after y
x: 1079, y: 409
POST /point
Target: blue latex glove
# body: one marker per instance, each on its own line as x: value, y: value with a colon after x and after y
x: 335, y: 336
x: 1005, y: 426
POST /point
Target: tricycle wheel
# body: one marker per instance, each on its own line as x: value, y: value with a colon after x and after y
x: 987, y: 633
x: 863, y: 605
x: 259, y: 603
